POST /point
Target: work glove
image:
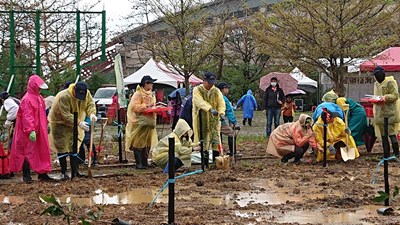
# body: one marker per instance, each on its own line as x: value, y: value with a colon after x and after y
x: 84, y: 126
x: 347, y: 130
x: 93, y: 117
x: 32, y: 136
x: 8, y: 124
x: 236, y: 127
x: 332, y: 149
x: 214, y: 112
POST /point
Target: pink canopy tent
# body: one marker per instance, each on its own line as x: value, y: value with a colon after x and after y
x: 389, y: 59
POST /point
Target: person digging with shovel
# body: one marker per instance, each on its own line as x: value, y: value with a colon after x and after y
x: 337, y: 134
x: 291, y: 140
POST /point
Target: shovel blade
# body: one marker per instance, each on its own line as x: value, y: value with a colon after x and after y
x: 351, y: 153
x: 344, y: 154
x: 222, y: 162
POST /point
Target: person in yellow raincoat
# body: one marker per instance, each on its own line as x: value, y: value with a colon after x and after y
x: 292, y: 139
x: 387, y: 89
x: 335, y: 138
x: 208, y: 100
x: 183, y: 147
x: 141, y: 134
x: 61, y: 118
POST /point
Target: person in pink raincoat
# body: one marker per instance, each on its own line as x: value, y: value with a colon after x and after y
x: 30, y: 148
x: 291, y: 140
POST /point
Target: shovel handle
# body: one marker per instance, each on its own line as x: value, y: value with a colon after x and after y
x: 91, y: 142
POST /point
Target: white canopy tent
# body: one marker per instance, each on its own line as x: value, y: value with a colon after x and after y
x: 304, y: 83
x: 162, y: 73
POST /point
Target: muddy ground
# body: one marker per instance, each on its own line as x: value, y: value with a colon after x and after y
x: 258, y: 189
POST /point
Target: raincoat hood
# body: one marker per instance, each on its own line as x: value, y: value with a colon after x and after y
x: 249, y: 92
x: 330, y: 96
x: 303, y: 118
x: 34, y: 84
x: 181, y: 128
x: 141, y: 89
x: 341, y: 101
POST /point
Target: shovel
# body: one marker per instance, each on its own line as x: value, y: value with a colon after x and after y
x: 90, y: 149
x: 222, y: 161
x: 99, y: 147
x: 346, y: 152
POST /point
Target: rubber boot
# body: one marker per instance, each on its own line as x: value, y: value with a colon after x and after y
x: 395, y: 147
x: 214, y: 154
x: 244, y: 122
x: 145, y: 157
x: 26, y: 173
x: 45, y: 177
x: 63, y: 165
x: 138, y: 159
x: 231, y: 146
x: 250, y: 120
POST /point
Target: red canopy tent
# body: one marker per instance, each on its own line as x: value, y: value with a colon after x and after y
x: 388, y: 59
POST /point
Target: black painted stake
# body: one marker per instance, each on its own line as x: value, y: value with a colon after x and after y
x: 202, y: 155
x: 171, y: 180
x: 325, y: 131
x: 386, y: 155
x: 119, y: 133
x: 73, y: 159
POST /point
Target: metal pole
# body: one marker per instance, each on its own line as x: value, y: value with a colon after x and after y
x: 386, y: 153
x: 119, y: 133
x: 171, y: 180
x: 37, y: 36
x: 73, y: 161
x: 78, y: 43
x: 12, y: 49
x: 103, y: 35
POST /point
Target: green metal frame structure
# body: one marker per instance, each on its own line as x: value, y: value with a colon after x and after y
x: 37, y: 13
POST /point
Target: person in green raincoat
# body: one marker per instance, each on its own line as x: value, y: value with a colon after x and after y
x: 141, y: 134
x: 208, y: 100
x: 183, y: 147
x: 387, y: 89
x: 61, y: 119
x: 357, y: 118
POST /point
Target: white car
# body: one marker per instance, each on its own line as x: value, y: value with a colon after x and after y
x: 103, y: 96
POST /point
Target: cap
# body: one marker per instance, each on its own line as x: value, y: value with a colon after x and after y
x: 66, y: 84
x: 223, y: 85
x: 378, y: 69
x: 147, y: 79
x: 210, y: 77
x: 4, y: 95
x: 80, y: 90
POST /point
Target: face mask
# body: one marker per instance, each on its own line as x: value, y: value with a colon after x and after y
x: 380, y: 77
x: 273, y: 84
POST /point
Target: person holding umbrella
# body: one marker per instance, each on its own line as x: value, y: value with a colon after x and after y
x: 272, y: 103
x: 248, y: 104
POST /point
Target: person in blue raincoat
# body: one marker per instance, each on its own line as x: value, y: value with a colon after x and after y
x: 329, y: 102
x: 249, y: 104
x: 230, y: 117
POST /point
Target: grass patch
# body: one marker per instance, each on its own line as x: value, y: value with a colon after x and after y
x: 254, y: 138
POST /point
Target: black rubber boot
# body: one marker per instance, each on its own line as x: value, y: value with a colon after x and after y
x: 145, y: 157
x: 45, y: 177
x: 244, y: 122
x: 214, y: 154
x: 395, y: 145
x: 26, y: 171
x: 138, y: 159
x: 231, y: 146
x: 250, y: 120
x: 63, y: 165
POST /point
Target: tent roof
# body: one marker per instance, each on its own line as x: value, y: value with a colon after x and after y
x: 162, y: 73
x: 389, y: 59
x: 302, y: 78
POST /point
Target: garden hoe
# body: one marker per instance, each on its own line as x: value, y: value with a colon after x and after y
x: 346, y: 152
x: 91, y: 149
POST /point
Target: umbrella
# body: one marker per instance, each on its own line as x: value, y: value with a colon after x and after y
x: 296, y: 93
x: 285, y: 81
x: 182, y: 93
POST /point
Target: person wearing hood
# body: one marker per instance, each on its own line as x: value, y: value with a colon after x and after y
x: 78, y: 99
x: 291, y: 140
x: 183, y: 147
x: 387, y: 89
x: 11, y: 106
x: 272, y: 103
x: 329, y: 102
x: 208, y: 100
x: 248, y: 104
x: 357, y: 118
x: 30, y: 149
x: 335, y: 138
x: 141, y: 134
